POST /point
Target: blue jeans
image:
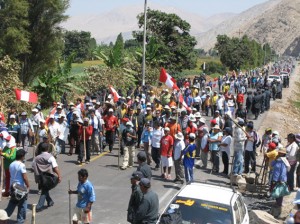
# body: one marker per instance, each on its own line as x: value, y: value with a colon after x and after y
x: 60, y: 146
x: 238, y: 163
x: 290, y: 177
x: 44, y: 196
x: 189, y: 173
x: 22, y: 206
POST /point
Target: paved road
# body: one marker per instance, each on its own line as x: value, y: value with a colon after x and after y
x: 112, y: 188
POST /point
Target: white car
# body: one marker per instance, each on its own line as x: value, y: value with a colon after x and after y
x: 272, y: 77
x: 202, y: 203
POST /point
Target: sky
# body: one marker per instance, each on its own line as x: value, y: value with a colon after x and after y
x: 202, y: 7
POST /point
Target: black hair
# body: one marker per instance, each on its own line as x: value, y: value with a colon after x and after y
x: 44, y: 147
x: 20, y: 154
x: 83, y: 173
x: 292, y: 136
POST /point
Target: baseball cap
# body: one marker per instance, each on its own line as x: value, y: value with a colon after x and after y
x: 167, y: 129
x: 51, y: 116
x: 137, y: 175
x: 145, y: 182
x: 35, y: 110
x: 12, y: 116
x: 86, y: 119
x: 192, y: 135
x: 23, y: 113
x: 111, y: 110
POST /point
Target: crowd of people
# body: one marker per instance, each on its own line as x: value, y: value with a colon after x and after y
x: 169, y: 132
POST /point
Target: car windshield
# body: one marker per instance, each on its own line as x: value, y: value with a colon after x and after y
x: 194, y: 211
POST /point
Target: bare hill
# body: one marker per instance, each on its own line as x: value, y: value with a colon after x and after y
x: 106, y: 26
x: 275, y: 22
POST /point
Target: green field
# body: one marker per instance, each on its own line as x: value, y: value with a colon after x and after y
x: 79, y: 67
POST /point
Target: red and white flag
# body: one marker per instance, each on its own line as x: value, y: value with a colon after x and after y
x: 115, y: 94
x: 167, y: 79
x: 23, y: 95
x: 215, y: 82
x: 181, y: 100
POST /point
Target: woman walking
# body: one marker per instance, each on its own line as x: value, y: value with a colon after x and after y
x: 214, y: 140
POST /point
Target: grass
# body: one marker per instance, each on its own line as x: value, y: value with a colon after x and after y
x: 79, y: 67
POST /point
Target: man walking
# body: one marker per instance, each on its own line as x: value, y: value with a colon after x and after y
x: 45, y: 163
x: 166, y: 148
x: 135, y: 197
x: 128, y: 137
x: 18, y: 175
x: 147, y: 211
x: 111, y: 124
x: 86, y: 197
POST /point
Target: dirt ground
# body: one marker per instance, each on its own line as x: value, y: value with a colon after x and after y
x: 283, y: 116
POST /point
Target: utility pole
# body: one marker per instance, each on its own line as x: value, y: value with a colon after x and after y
x: 239, y: 33
x: 144, y: 44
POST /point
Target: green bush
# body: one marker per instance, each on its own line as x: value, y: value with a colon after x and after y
x: 214, y: 67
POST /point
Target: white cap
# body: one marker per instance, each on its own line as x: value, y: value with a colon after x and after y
x: 35, y: 110
x: 23, y: 113
x: 86, y: 119
x: 148, y: 108
x: 202, y: 120
x: 192, y: 135
x: 58, y: 107
x: 129, y: 123
x: 148, y: 104
x: 61, y: 115
x: 51, y: 116
x: 12, y: 116
x: 167, y: 129
x: 42, y: 121
x: 111, y: 110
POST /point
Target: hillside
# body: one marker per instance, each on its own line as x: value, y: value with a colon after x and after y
x: 107, y: 25
x: 275, y: 22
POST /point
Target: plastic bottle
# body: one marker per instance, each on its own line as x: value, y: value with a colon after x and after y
x: 290, y: 220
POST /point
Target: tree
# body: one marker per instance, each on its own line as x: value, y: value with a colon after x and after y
x: 115, y: 57
x: 79, y: 42
x: 53, y: 83
x: 46, y: 42
x: 238, y: 53
x: 176, y: 45
x: 14, y: 35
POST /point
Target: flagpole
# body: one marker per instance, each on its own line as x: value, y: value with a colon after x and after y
x: 144, y: 43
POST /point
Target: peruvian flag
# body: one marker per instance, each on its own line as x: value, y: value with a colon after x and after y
x: 181, y: 100
x: 23, y: 95
x: 215, y: 82
x: 114, y: 93
x: 167, y: 79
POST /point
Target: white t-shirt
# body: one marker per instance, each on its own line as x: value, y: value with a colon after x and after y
x: 226, y: 140
x: 157, y: 134
x: 249, y: 143
x: 54, y: 130
x: 179, y: 146
x: 16, y: 170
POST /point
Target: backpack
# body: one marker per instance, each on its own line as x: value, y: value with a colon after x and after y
x: 171, y: 218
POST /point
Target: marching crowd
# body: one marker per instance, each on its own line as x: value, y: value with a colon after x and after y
x: 169, y: 132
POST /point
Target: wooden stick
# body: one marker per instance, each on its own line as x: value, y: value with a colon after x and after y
x: 2, y: 176
x: 238, y: 125
x: 84, y: 144
x: 70, y: 216
x: 119, y: 151
x: 33, y: 213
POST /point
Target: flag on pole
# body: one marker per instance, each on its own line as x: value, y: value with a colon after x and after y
x: 115, y: 94
x: 167, y: 79
x: 215, y: 82
x: 23, y: 95
x: 181, y: 100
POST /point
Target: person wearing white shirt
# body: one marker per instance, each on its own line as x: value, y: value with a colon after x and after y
x: 204, y: 134
x: 225, y: 148
x: 291, y: 149
x: 179, y: 146
x: 62, y: 138
x: 54, y: 129
x: 157, y: 134
x: 220, y: 104
x: 97, y: 132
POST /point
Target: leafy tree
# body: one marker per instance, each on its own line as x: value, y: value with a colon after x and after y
x: 14, y: 35
x: 172, y: 35
x: 46, y: 42
x: 238, y: 53
x: 9, y: 75
x: 115, y: 57
x: 152, y: 55
x: 52, y: 84
x: 79, y: 42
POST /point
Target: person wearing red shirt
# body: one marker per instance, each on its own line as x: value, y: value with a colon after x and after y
x: 85, y: 132
x: 111, y: 124
x: 191, y: 128
x: 240, y: 98
x: 166, y: 149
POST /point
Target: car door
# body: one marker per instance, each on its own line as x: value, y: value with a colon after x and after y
x: 244, y: 217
